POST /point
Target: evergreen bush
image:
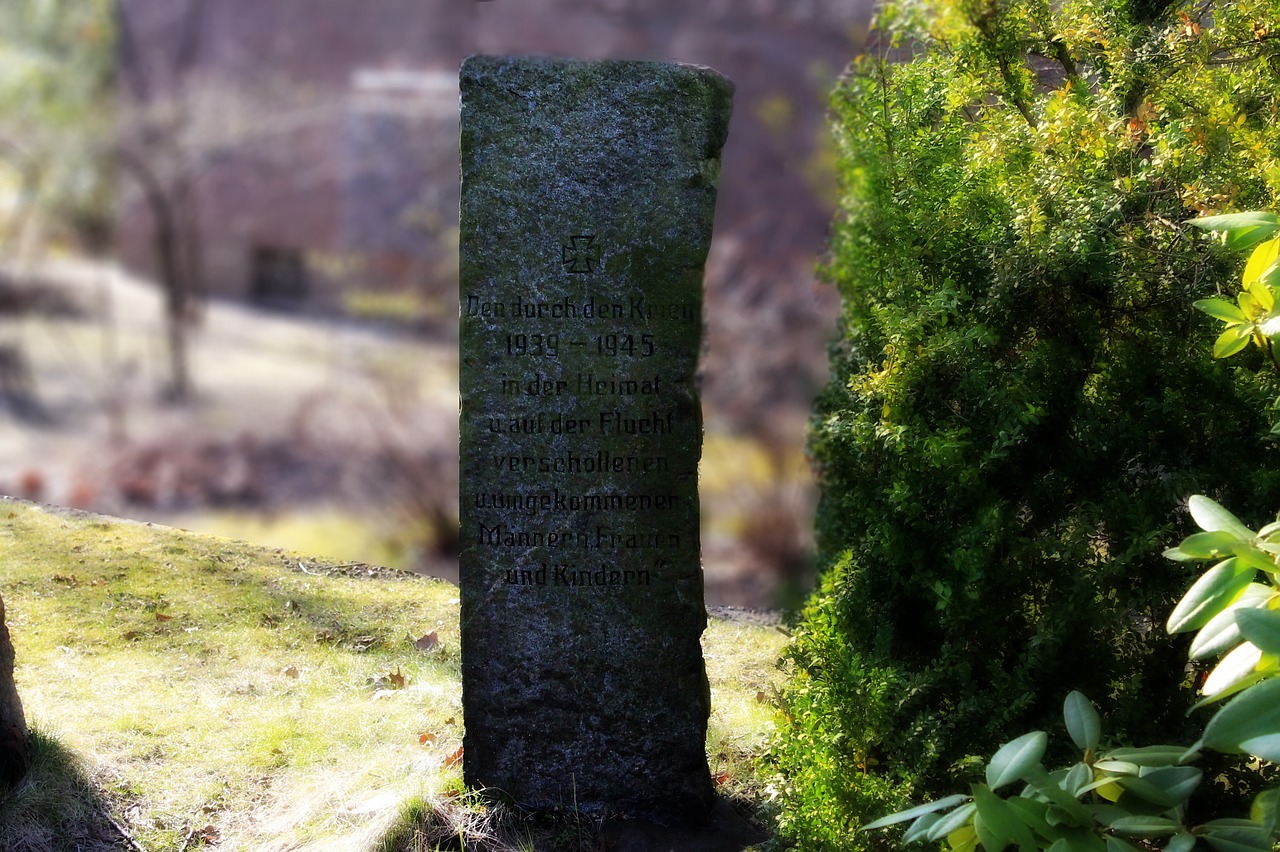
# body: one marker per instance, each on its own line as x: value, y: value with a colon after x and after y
x: 1020, y: 398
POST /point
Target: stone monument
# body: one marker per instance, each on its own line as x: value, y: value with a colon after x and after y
x: 588, y: 190
x: 15, y: 749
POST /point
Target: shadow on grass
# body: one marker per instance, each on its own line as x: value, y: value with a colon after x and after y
x: 55, y: 808
x: 471, y: 823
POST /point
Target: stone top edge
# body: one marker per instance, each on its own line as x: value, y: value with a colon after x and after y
x: 480, y: 62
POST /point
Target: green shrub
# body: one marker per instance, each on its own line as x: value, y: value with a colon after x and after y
x: 1020, y: 396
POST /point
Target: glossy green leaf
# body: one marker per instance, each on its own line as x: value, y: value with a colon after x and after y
x: 1247, y: 238
x: 1081, y: 717
x: 1260, y: 260
x: 1212, y: 517
x: 1100, y: 782
x: 1175, y: 783
x: 1272, y: 528
x: 1231, y: 341
x: 1210, y: 594
x: 967, y: 842
x: 917, y: 811
x: 949, y: 823
x: 1117, y: 767
x: 1076, y: 777
x: 1236, y: 667
x: 1145, y: 790
x: 1250, y: 723
x: 1258, y: 224
x: 1002, y: 825
x: 1237, y: 839
x: 1014, y: 758
x: 919, y: 830
x: 1235, y: 689
x: 1221, y: 633
x: 992, y: 841
x: 1265, y: 810
x: 1255, y: 558
x: 1180, y: 842
x: 1265, y: 746
x: 1052, y: 787
x: 1145, y: 826
x: 1258, y: 287
x: 1156, y: 755
x: 1220, y: 309
x: 1209, y: 545
x: 1270, y: 324
x: 1261, y: 627
x: 1084, y: 840
x: 1034, y: 815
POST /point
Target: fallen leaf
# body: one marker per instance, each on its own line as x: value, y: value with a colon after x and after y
x: 451, y: 721
x: 453, y: 759
x: 427, y: 643
x: 291, y: 671
x: 130, y: 635
x: 163, y: 617
x: 723, y: 778
x: 387, y: 682
x: 101, y: 581
x: 71, y: 581
x: 426, y: 738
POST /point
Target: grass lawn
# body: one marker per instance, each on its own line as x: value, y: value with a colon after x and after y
x: 205, y: 693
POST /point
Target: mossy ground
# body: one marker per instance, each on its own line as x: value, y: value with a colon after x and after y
x: 222, y: 695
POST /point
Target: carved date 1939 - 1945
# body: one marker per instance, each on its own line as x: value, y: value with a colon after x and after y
x: 611, y: 345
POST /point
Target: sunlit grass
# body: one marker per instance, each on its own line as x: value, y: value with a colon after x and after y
x: 209, y: 680
x: 220, y: 693
x: 325, y: 532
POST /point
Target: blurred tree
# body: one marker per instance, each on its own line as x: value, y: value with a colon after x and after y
x: 156, y: 147
x: 55, y: 176
x: 55, y: 116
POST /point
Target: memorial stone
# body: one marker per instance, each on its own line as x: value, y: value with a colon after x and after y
x: 15, y: 748
x: 588, y: 190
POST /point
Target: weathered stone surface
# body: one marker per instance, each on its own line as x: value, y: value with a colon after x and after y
x: 587, y: 199
x: 15, y: 753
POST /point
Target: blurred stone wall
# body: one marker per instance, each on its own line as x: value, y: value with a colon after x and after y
x: 316, y: 145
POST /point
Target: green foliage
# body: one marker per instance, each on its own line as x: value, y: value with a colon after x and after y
x: 1109, y: 798
x: 1104, y: 802
x: 55, y: 114
x: 825, y: 775
x: 1020, y: 398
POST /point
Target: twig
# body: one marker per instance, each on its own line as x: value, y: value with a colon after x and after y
x: 123, y: 831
